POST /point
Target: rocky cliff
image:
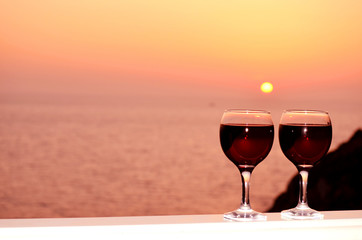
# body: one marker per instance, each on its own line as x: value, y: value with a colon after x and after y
x: 335, y: 183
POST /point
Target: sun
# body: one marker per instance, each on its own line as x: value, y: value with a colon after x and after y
x: 266, y: 87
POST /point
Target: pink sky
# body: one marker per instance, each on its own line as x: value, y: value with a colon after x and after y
x: 71, y: 45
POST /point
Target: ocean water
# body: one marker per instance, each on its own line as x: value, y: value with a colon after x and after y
x: 70, y: 156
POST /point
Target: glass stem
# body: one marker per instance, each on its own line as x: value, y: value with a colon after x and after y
x: 245, y: 177
x: 303, y: 202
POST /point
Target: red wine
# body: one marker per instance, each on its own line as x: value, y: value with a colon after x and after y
x: 305, y: 145
x: 246, y: 144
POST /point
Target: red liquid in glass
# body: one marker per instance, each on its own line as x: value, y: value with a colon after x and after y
x: 246, y: 144
x: 305, y: 145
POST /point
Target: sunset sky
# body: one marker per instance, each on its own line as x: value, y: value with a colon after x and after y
x: 62, y: 45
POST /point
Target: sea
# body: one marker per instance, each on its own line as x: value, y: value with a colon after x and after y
x: 79, y: 155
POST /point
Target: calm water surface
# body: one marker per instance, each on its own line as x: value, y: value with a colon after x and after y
x: 121, y: 157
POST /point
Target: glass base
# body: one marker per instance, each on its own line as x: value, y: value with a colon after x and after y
x: 301, y: 213
x: 243, y: 215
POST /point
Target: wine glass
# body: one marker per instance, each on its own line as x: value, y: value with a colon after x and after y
x: 246, y: 138
x: 305, y: 137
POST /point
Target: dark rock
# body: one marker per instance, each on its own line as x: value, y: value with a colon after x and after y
x: 335, y: 183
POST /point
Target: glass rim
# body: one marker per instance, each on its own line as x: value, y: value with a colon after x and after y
x: 305, y: 111
x: 245, y: 110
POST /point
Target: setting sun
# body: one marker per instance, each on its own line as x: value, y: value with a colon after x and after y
x: 266, y: 87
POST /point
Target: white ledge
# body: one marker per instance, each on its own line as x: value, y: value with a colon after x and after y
x: 335, y: 225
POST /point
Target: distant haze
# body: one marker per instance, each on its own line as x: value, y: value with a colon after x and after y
x: 304, y: 48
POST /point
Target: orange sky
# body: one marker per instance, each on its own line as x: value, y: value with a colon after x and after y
x: 235, y: 43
